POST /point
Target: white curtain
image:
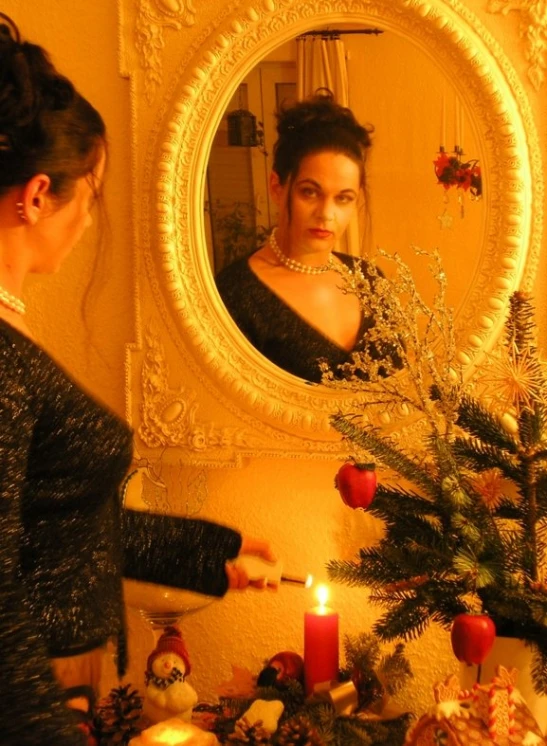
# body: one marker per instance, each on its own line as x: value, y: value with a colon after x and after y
x: 321, y: 63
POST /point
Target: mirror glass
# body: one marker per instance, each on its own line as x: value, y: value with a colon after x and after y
x: 413, y: 108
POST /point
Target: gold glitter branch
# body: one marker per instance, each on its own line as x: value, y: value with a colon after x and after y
x: 420, y: 337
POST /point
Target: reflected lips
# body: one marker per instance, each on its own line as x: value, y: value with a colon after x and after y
x: 318, y: 233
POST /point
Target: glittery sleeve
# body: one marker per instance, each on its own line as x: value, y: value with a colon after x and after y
x: 180, y: 552
x: 31, y: 710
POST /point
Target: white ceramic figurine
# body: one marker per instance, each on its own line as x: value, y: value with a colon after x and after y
x: 167, y: 692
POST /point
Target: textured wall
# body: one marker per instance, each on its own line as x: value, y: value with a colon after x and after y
x: 294, y: 502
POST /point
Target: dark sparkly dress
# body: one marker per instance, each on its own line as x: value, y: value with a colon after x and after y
x: 66, y: 542
x: 276, y: 330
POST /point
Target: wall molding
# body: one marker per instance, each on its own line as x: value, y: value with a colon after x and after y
x: 533, y: 32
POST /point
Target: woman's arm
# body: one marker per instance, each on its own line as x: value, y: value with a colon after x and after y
x: 180, y: 552
x: 188, y: 553
x: 32, y: 711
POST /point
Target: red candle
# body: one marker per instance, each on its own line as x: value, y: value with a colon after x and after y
x: 320, y: 643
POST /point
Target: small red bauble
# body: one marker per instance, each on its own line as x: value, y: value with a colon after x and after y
x: 472, y: 637
x: 281, y: 668
x: 356, y: 483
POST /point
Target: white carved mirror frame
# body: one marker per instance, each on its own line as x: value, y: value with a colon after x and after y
x: 172, y: 221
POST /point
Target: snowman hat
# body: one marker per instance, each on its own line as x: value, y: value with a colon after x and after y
x: 170, y: 642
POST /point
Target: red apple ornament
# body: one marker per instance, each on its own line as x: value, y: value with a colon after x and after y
x: 472, y: 637
x: 356, y: 483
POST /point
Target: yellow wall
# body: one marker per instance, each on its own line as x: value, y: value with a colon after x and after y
x: 293, y: 502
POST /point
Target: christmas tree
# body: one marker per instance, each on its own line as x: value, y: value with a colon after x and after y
x: 465, y: 522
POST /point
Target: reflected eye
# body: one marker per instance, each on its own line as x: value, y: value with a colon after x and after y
x: 346, y: 199
x: 309, y: 192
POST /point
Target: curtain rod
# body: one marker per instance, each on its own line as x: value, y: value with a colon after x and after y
x: 336, y: 32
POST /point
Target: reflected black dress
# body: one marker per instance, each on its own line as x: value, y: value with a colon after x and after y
x: 276, y: 330
x: 66, y: 541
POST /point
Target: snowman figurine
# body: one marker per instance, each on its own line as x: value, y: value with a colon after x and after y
x: 167, y: 694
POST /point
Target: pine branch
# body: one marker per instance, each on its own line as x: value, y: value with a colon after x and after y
x: 541, y: 485
x: 406, y: 621
x: 322, y: 717
x: 292, y: 696
x: 448, y: 597
x: 532, y: 426
x: 443, y: 595
x: 520, y: 327
x: 394, y: 670
x: 347, y: 572
x: 396, y: 505
x: 540, y: 412
x: 386, y: 453
x: 480, y: 571
x: 419, y: 531
x: 516, y: 609
x: 507, y: 510
x: 348, y: 731
x: 513, y: 549
x: 375, y: 568
x: 479, y: 456
x: 542, y: 538
x: 362, y: 651
x: 391, y: 562
x: 475, y: 419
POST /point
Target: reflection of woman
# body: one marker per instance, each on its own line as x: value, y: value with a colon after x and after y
x: 287, y: 297
x: 65, y: 540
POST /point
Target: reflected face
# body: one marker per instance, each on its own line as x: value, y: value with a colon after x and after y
x: 316, y: 206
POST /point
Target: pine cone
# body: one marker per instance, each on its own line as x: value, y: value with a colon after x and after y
x: 299, y: 732
x: 118, y: 715
x: 246, y: 732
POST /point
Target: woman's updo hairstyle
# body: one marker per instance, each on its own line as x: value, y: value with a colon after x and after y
x: 46, y: 126
x: 314, y: 125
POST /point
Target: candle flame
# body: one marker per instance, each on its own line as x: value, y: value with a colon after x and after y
x: 309, y: 581
x: 322, y: 595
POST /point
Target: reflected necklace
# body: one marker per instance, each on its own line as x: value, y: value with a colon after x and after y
x: 12, y: 301
x: 292, y: 264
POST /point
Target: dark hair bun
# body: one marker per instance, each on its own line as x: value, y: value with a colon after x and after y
x: 314, y: 124
x: 29, y: 83
x: 12, y: 73
x: 9, y: 33
x: 318, y: 111
x: 46, y: 126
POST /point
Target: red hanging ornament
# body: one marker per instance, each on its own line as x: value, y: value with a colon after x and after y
x: 472, y: 637
x: 356, y: 483
x: 281, y: 669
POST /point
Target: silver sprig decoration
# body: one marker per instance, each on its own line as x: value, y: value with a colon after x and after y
x: 418, y: 342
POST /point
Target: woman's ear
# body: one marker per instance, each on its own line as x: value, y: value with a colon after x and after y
x: 276, y: 188
x: 36, y: 198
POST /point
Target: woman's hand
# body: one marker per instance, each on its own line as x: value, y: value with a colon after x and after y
x: 238, y: 578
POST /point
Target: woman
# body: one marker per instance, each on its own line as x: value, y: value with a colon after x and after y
x: 66, y: 542
x: 288, y: 297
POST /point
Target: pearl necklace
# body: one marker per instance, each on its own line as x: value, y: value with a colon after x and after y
x: 12, y: 301
x: 292, y: 264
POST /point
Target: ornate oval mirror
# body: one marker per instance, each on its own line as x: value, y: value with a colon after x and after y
x: 506, y: 234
